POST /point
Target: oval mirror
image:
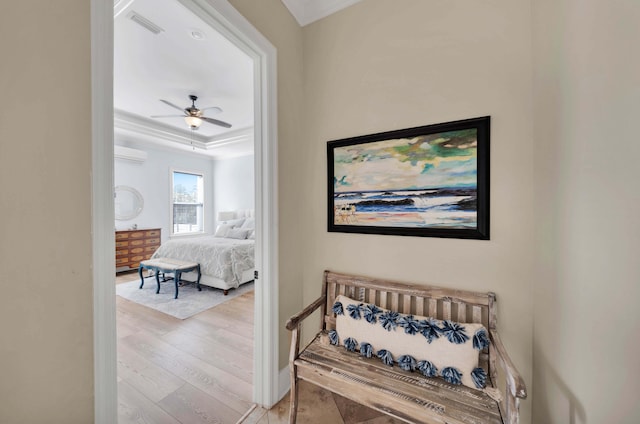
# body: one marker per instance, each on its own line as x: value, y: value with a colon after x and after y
x: 128, y: 203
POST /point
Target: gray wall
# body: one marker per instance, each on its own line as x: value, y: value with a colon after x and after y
x: 586, y: 289
x: 152, y: 178
x: 233, y: 184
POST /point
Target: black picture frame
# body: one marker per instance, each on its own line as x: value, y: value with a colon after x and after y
x: 429, y: 181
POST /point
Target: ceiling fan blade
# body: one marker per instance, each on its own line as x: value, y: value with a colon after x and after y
x: 167, y: 116
x: 173, y: 106
x: 215, y: 122
x: 212, y: 110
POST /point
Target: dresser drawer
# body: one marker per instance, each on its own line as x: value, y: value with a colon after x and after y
x: 155, y: 241
x: 137, y: 258
x: 133, y: 246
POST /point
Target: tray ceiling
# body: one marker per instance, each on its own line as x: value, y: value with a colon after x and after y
x: 183, y: 56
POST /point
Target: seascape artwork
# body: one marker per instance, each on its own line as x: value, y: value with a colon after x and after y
x: 416, y: 181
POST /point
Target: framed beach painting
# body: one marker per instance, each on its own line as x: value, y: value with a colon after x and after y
x: 430, y: 181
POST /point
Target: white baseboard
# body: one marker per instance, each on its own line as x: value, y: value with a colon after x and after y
x: 284, y: 382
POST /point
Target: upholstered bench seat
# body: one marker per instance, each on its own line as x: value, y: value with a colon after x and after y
x: 169, y: 266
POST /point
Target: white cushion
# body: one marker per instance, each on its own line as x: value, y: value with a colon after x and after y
x: 249, y: 224
x: 222, y: 230
x: 237, y: 233
x: 444, y: 344
x: 235, y: 223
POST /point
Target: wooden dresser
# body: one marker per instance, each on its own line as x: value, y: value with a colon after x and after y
x: 133, y: 246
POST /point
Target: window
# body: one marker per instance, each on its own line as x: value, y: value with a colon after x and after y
x: 187, y: 204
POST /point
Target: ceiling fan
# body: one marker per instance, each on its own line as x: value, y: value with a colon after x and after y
x: 193, y: 116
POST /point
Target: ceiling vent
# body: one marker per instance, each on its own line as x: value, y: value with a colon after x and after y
x: 142, y: 21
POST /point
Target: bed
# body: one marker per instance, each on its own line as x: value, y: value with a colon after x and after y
x: 227, y: 259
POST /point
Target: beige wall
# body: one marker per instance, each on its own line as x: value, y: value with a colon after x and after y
x: 379, y: 66
x: 273, y: 20
x: 46, y: 319
x: 587, y: 286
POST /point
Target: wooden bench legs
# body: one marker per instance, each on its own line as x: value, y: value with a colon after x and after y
x: 295, y: 348
x: 177, y: 275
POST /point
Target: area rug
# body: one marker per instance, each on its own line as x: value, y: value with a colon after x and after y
x: 190, y: 301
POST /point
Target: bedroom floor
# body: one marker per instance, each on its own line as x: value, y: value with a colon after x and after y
x: 199, y: 370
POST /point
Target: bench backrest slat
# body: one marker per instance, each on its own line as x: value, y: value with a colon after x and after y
x: 438, y: 302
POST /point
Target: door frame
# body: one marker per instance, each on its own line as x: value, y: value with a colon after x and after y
x: 227, y: 20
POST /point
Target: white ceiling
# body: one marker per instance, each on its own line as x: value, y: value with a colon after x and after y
x: 308, y: 11
x: 171, y: 65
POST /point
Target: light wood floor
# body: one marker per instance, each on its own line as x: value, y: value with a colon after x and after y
x: 197, y: 370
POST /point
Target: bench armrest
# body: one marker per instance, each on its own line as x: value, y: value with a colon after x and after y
x: 515, y: 383
x: 295, y: 320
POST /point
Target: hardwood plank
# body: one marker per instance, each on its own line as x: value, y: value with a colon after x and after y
x: 135, y: 408
x: 216, y: 354
x: 227, y: 327
x: 240, y: 343
x: 191, y: 405
x: 221, y: 320
x: 145, y: 376
x: 151, y: 320
x: 214, y: 381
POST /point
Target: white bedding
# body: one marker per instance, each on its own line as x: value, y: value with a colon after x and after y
x: 221, y: 259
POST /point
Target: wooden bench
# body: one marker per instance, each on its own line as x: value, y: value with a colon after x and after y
x: 407, y: 396
x: 169, y: 266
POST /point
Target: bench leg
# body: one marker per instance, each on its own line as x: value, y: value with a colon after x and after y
x: 293, y: 411
x: 157, y: 280
x: 177, y: 276
x: 198, y: 280
x: 140, y: 268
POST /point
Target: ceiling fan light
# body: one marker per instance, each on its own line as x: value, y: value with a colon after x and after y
x: 193, y: 121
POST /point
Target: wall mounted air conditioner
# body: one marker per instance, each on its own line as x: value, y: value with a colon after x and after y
x: 127, y: 153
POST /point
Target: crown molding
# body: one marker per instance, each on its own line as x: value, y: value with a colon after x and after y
x: 147, y: 130
x: 308, y: 11
x: 143, y: 126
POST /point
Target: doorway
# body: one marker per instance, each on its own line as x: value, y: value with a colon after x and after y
x: 224, y: 18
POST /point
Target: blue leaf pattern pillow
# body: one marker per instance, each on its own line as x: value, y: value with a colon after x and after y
x: 435, y: 348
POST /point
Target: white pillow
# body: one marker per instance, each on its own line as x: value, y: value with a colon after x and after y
x: 249, y: 224
x: 252, y: 235
x: 412, y: 342
x: 235, y: 223
x: 222, y: 230
x: 237, y: 233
